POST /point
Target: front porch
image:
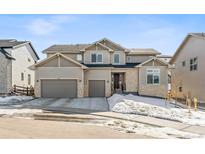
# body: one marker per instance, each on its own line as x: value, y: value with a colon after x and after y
x: 118, y: 84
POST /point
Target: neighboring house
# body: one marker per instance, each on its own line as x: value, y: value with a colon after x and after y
x: 15, y: 58
x: 166, y: 58
x: 99, y: 69
x: 188, y: 71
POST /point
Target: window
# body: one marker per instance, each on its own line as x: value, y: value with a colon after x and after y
x: 29, y: 79
x: 22, y: 76
x: 79, y: 57
x: 183, y: 63
x: 99, y: 58
x: 93, y: 58
x: 153, y: 76
x: 116, y: 58
x: 193, y: 64
x: 96, y: 58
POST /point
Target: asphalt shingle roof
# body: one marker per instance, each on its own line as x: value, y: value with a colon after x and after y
x: 70, y: 48
x: 148, y: 51
x: 10, y: 43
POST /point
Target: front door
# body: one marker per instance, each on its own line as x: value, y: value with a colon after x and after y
x: 116, y: 81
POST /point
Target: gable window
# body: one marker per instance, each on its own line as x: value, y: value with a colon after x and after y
x: 116, y: 58
x: 22, y: 76
x: 153, y: 76
x: 29, y: 79
x: 79, y: 57
x: 193, y: 64
x: 183, y: 63
x: 96, y: 58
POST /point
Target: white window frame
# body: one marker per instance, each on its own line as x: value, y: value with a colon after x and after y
x: 79, y: 56
x: 97, y: 62
x: 114, y: 58
x: 153, y: 72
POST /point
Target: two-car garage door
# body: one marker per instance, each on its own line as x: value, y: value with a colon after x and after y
x: 54, y: 88
x: 59, y: 88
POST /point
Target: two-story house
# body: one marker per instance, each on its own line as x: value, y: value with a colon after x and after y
x: 188, y: 62
x: 99, y: 69
x: 15, y: 58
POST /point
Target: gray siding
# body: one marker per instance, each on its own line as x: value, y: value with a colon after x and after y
x: 5, y: 74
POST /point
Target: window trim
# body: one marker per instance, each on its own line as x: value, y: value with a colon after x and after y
x: 97, y: 62
x: 194, y: 63
x: 114, y: 58
x: 153, y: 74
x: 22, y: 76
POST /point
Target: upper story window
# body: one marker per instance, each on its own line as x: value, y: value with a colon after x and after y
x: 153, y: 76
x: 183, y: 63
x: 116, y: 58
x: 193, y: 64
x: 96, y: 58
x: 79, y: 57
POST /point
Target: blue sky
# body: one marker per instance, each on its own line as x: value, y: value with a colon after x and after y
x: 162, y: 32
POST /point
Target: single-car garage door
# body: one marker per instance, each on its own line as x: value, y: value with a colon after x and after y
x: 58, y: 88
x: 96, y: 88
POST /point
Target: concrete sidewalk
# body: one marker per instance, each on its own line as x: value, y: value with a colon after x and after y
x: 139, y: 118
x: 155, y: 122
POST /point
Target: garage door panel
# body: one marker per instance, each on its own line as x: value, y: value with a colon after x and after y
x: 58, y: 88
x: 96, y: 88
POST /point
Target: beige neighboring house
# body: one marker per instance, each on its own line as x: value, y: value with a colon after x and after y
x: 99, y: 69
x: 15, y: 58
x: 188, y: 71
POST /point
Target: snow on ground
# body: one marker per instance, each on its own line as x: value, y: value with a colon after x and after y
x: 24, y: 113
x: 131, y: 104
x: 149, y: 100
x: 12, y: 100
x: 156, y: 132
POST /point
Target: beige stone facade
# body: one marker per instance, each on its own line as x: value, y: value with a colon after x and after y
x: 158, y: 90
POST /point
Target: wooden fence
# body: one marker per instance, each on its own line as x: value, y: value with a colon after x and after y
x: 29, y: 91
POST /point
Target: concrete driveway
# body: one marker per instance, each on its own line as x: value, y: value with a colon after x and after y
x: 92, y: 104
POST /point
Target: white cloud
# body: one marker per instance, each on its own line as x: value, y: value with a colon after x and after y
x: 44, y: 26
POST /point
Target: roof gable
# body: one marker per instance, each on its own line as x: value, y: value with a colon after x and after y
x: 12, y: 43
x: 153, y: 62
x: 106, y: 43
x: 111, y: 44
x: 196, y: 35
x: 58, y: 60
x: 6, y: 54
x: 97, y: 46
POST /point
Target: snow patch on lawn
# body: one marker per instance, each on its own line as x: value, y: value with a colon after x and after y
x: 156, y: 132
x: 24, y: 113
x: 129, y: 105
x: 12, y: 100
